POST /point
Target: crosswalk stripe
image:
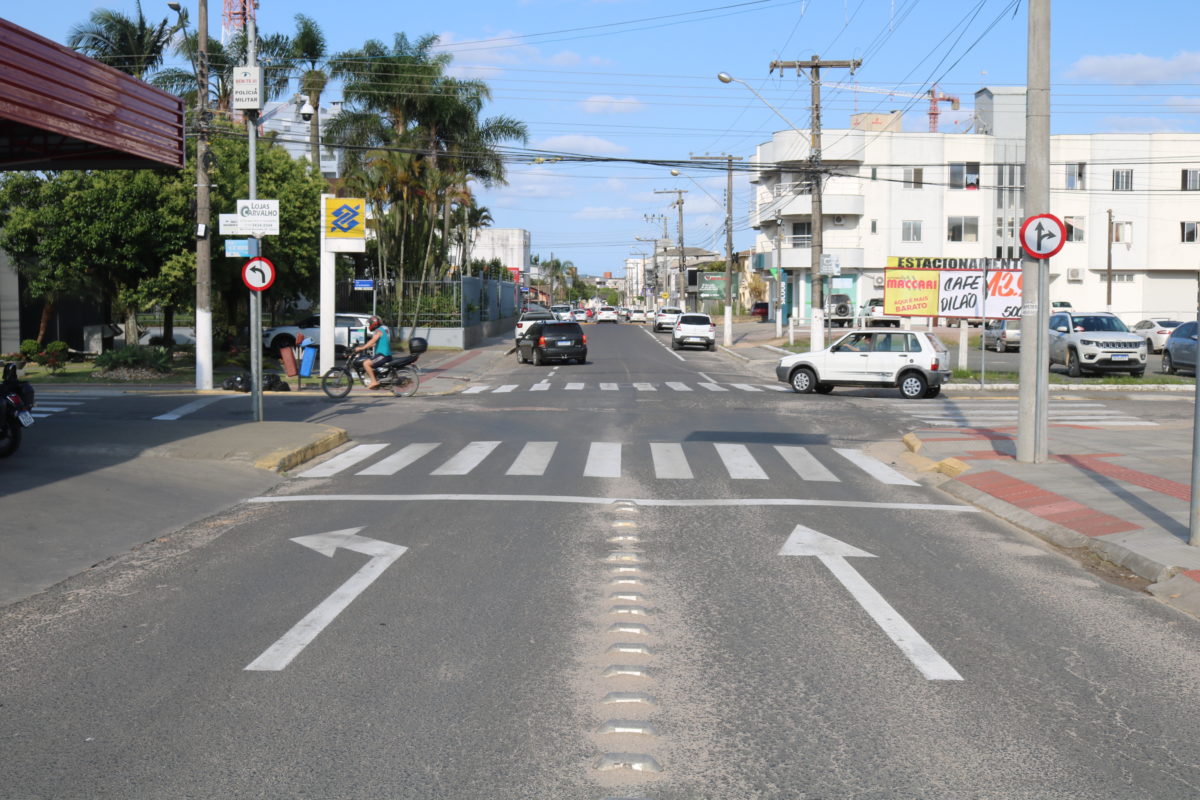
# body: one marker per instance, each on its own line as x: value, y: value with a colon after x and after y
x: 467, y: 459
x: 679, y: 387
x: 343, y: 461
x: 477, y: 389
x: 669, y: 461
x: 745, y: 387
x: 775, y: 387
x: 608, y: 387
x: 603, y: 461
x: 805, y: 463
x: 738, y: 461
x: 574, y: 387
x: 398, y: 461
x: 645, y: 387
x: 543, y: 386
x: 712, y: 387
x: 874, y: 467
x: 41, y: 407
x: 533, y: 459
x: 508, y: 387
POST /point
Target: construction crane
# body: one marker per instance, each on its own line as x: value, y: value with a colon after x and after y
x: 934, y: 97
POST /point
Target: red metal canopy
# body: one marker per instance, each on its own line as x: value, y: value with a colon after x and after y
x: 62, y: 110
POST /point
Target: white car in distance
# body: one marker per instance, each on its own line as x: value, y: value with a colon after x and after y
x: 607, y: 314
x: 694, y: 329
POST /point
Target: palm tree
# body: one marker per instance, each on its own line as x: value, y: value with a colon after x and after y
x: 308, y: 53
x: 273, y: 53
x: 131, y: 45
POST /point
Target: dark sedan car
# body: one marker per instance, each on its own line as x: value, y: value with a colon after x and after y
x: 552, y: 341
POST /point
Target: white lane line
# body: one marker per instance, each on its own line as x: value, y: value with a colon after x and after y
x: 645, y: 387
x: 467, y: 459
x: 508, y: 387
x: 541, y: 386
x: 399, y: 460
x: 574, y: 387
x: 608, y: 387
x: 533, y: 459
x: 188, y: 408
x: 603, y: 461
x: 805, y: 463
x: 343, y: 461
x: 41, y: 407
x: 745, y: 387
x: 58, y: 402
x: 730, y: 502
x: 874, y: 467
x: 738, y: 461
x: 679, y: 387
x: 477, y: 389
x: 705, y: 376
x: 712, y: 387
x: 669, y: 461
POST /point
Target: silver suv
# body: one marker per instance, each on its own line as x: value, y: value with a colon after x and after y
x: 666, y: 318
x: 1098, y: 341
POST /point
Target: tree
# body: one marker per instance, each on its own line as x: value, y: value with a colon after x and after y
x: 131, y: 45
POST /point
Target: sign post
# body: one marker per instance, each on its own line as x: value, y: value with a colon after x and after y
x: 343, y: 230
x: 1042, y: 236
x: 258, y: 274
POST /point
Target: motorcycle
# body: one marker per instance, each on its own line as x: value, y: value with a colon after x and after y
x: 16, y: 400
x: 400, y: 373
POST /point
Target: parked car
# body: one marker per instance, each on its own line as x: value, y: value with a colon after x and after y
x: 839, y: 310
x: 624, y: 313
x: 529, y: 318
x: 1060, y: 304
x: 562, y: 312
x: 1179, y: 352
x: 1155, y: 332
x: 693, y: 329
x: 761, y: 310
x: 666, y: 318
x: 552, y: 341
x: 1002, y: 335
x: 345, y: 332
x: 1095, y: 342
x: 607, y: 314
x: 872, y: 314
x: 637, y: 315
x: 579, y: 315
x: 915, y: 362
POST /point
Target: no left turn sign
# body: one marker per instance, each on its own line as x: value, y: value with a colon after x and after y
x: 1043, y: 235
x: 258, y: 274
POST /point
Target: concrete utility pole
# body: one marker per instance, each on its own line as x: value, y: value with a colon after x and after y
x: 728, y: 335
x: 814, y: 65
x: 682, y: 277
x: 203, y: 321
x: 1034, y: 392
x: 256, y: 392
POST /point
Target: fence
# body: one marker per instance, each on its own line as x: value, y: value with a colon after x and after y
x: 461, y: 312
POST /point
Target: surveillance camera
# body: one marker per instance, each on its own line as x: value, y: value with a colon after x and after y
x: 306, y: 111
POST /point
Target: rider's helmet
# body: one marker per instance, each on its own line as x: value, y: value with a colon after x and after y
x: 373, y: 323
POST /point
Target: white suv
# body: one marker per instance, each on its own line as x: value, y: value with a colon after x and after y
x: 562, y: 313
x: 915, y: 362
x: 666, y: 318
x: 606, y: 314
x: 1095, y: 342
x: 694, y: 329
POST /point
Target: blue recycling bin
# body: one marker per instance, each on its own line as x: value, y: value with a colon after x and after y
x: 308, y: 357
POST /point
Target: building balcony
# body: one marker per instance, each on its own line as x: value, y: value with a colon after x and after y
x: 800, y: 205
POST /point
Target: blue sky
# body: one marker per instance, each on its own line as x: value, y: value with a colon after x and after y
x: 634, y: 80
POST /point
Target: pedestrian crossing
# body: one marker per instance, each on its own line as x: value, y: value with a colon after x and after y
x: 637, y: 386
x: 667, y: 461
x: 47, y: 404
x: 989, y: 413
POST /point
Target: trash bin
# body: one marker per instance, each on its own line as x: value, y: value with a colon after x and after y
x: 308, y: 357
x: 288, y: 357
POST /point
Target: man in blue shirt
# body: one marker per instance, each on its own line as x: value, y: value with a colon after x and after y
x: 382, y: 343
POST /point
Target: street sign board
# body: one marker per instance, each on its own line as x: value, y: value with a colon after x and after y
x: 361, y: 285
x: 830, y: 264
x: 241, y: 248
x: 229, y: 225
x: 258, y: 217
x: 1043, y: 235
x: 247, y: 88
x: 258, y: 274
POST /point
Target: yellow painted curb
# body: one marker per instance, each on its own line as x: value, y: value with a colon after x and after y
x: 952, y: 467
x: 283, y: 460
x: 912, y: 442
x: 919, y: 463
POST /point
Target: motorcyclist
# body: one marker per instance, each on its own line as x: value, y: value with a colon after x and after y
x: 381, y: 341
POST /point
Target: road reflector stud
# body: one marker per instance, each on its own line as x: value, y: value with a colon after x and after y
x: 631, y: 648
x: 632, y: 611
x: 635, y: 762
x: 633, y: 628
x: 625, y: 556
x: 625, y: 671
x: 637, y: 698
x: 628, y: 726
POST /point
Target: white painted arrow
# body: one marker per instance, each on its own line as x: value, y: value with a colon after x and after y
x: 833, y: 554
x: 280, y: 654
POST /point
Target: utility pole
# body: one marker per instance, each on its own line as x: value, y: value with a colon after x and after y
x: 203, y: 321
x: 814, y: 66
x: 255, y: 297
x: 728, y: 335
x: 1108, y: 271
x: 653, y: 262
x: 682, y: 276
x: 1034, y: 391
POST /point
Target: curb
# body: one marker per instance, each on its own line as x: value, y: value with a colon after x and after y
x: 286, y: 459
x: 737, y: 355
x: 1074, y: 387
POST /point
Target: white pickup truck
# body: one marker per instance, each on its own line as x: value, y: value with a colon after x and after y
x: 872, y: 315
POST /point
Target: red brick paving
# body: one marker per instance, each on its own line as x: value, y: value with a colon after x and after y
x: 1097, y: 464
x: 1047, y: 505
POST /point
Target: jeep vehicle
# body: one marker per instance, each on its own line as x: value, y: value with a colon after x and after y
x: 1089, y: 342
x: 839, y: 310
x: 915, y: 362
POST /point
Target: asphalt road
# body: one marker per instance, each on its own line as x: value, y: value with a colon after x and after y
x: 725, y: 573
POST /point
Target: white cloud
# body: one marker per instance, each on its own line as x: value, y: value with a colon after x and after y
x: 1140, y: 125
x: 566, y: 58
x: 1184, y: 103
x: 1137, y: 68
x: 603, y: 212
x: 579, y: 143
x: 613, y: 185
x: 607, y: 104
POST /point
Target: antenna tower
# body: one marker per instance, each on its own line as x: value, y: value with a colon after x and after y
x: 234, y: 16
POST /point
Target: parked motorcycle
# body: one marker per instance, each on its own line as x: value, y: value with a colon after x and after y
x: 400, y: 373
x: 16, y: 400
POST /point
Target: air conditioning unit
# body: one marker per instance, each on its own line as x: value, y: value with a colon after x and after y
x: 879, y: 281
x: 839, y: 220
x: 1074, y: 274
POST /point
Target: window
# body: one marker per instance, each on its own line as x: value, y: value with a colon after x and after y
x: 1190, y: 181
x: 1074, y: 228
x: 1122, y: 232
x: 802, y: 234
x: 914, y: 177
x: 911, y: 230
x: 1075, y: 175
x: 964, y: 175
x: 874, y: 226
x: 1187, y: 231
x: 1119, y: 277
x: 962, y: 229
x: 874, y: 173
x: 1122, y: 180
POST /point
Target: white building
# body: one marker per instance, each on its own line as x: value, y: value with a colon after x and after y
x: 292, y: 131
x: 509, y: 245
x: 893, y: 194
